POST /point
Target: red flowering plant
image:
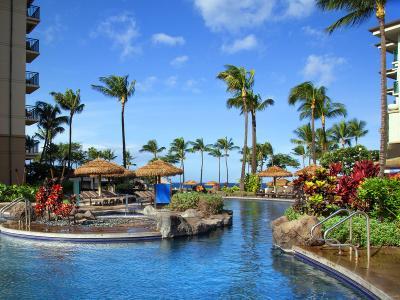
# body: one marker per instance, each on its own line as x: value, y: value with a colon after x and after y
x: 49, y: 198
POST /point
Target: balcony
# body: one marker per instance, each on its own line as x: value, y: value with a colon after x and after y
x: 395, y: 55
x: 31, y: 115
x: 32, y: 81
x: 32, y: 49
x: 32, y: 17
x: 31, y: 150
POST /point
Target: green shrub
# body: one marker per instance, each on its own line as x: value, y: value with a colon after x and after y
x: 381, y: 197
x: 381, y: 233
x: 211, y: 204
x: 11, y: 192
x: 252, y: 183
x: 184, y: 201
x: 230, y: 190
x: 124, y: 188
x: 291, y: 214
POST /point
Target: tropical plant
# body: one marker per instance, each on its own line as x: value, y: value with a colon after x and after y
x: 129, y: 159
x: 356, y: 13
x: 71, y: 102
x: 93, y: 153
x: 239, y: 81
x: 304, y: 138
x: 179, y: 147
x: 152, y: 147
x: 216, y: 152
x: 283, y: 161
x: 341, y: 133
x: 264, y: 151
x: 300, y: 150
x: 226, y: 145
x: 357, y: 129
x: 308, y: 95
x: 199, y: 146
x: 118, y: 87
x: 30, y: 143
x: 252, y: 183
x: 108, y: 154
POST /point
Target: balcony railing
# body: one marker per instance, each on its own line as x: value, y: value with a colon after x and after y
x: 32, y: 150
x: 31, y: 115
x: 32, y: 78
x: 33, y: 12
x: 396, y: 87
x: 32, y: 44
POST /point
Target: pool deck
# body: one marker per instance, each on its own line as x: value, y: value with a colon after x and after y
x: 381, y: 280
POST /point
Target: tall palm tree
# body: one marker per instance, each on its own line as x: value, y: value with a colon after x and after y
x: 71, y: 102
x: 304, y: 138
x: 129, y: 159
x: 356, y: 13
x: 226, y: 145
x: 179, y: 147
x: 199, y: 146
x: 118, y: 87
x: 152, y: 147
x: 301, y: 151
x: 108, y: 154
x: 264, y: 151
x: 50, y: 122
x: 307, y: 94
x: 239, y: 81
x: 357, y: 129
x: 341, y: 133
x: 216, y: 152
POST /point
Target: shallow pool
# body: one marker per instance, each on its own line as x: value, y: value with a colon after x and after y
x: 235, y: 263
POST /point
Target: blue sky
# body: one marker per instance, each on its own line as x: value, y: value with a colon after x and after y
x: 174, y: 49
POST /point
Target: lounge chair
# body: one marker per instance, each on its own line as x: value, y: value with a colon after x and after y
x: 145, y: 197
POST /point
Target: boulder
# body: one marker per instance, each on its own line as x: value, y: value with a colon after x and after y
x: 191, y: 213
x: 287, y: 234
x: 18, y: 211
x: 149, y: 211
x: 87, y: 215
x: 172, y: 225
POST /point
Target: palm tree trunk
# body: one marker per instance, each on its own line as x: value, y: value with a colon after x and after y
x: 201, y: 169
x: 324, y: 142
x: 123, y: 132
x: 314, y: 158
x: 254, y: 143
x: 384, y: 126
x: 219, y: 171
x: 243, y: 173
x: 226, y: 165
x: 183, y: 168
x: 70, y: 142
x: 356, y: 139
x: 44, y: 146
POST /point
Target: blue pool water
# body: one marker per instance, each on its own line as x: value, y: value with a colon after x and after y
x: 235, y: 263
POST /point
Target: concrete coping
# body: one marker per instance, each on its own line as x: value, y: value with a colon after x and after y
x: 259, y: 199
x: 81, y: 237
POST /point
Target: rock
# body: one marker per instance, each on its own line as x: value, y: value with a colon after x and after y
x: 89, y: 215
x: 172, y: 225
x: 18, y: 211
x: 287, y: 234
x: 191, y: 213
x: 149, y: 211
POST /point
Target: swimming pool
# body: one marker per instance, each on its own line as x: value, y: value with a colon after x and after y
x: 234, y: 263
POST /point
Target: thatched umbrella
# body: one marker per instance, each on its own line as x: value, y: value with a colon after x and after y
x: 126, y: 174
x: 279, y: 182
x: 190, y: 182
x: 158, y: 168
x: 309, y: 170
x: 275, y: 172
x: 211, y: 183
x: 99, y: 167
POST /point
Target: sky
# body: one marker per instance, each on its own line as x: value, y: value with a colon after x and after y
x: 174, y: 49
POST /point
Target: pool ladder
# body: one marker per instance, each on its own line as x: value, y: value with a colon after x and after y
x: 10, y: 205
x: 334, y: 242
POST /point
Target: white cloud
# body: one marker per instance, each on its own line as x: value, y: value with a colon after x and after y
x: 171, y: 81
x: 319, y: 34
x: 232, y: 15
x: 163, y: 38
x: 193, y: 85
x: 53, y: 32
x: 179, y: 60
x: 321, y: 68
x: 247, y: 43
x: 299, y: 8
x: 122, y: 31
x: 147, y: 84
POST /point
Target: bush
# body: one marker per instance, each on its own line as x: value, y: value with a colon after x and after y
x: 230, y: 190
x: 291, y: 214
x: 184, y: 201
x: 382, y: 233
x: 211, y: 204
x: 124, y: 188
x: 381, y: 197
x: 11, y: 192
x: 252, y: 183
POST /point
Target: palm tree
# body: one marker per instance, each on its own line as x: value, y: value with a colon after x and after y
x: 300, y: 150
x: 308, y: 95
x: 239, y: 81
x: 50, y: 122
x: 264, y: 151
x: 152, y: 147
x: 108, y: 154
x: 179, y: 148
x: 304, y: 138
x: 357, y: 129
x: 71, y: 102
x: 118, y: 87
x: 216, y: 152
x: 129, y: 159
x: 199, y: 146
x: 226, y: 145
x: 341, y: 133
x: 357, y: 12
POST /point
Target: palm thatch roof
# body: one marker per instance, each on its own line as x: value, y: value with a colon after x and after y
x: 211, y: 183
x: 279, y: 182
x: 190, y: 182
x: 99, y: 166
x: 310, y: 170
x: 275, y: 171
x: 158, y: 168
x: 126, y: 174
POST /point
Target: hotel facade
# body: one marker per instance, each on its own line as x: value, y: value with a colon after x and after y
x: 18, y: 19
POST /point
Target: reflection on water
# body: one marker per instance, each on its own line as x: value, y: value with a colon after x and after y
x: 234, y: 263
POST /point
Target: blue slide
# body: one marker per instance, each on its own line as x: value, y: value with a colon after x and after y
x: 163, y: 193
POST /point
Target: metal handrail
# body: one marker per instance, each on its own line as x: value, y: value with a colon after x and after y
x: 32, y: 44
x: 27, y: 211
x: 327, y: 218
x: 33, y: 11
x: 9, y: 205
x: 32, y: 78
